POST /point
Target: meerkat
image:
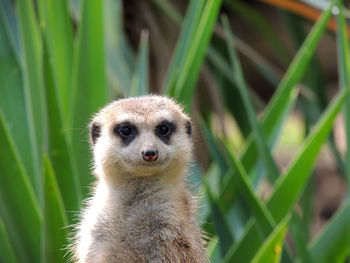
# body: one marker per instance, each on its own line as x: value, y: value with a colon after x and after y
x: 140, y: 209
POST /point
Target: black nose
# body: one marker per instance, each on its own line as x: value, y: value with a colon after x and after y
x: 150, y: 155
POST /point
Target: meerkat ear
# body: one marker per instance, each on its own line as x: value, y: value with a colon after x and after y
x: 188, y: 127
x: 95, y: 132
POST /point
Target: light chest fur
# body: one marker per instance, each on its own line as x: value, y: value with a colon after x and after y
x: 140, y: 209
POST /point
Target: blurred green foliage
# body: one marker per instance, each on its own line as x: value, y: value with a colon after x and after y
x: 60, y: 61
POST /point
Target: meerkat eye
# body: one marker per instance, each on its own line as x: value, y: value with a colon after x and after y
x: 125, y: 131
x: 164, y: 130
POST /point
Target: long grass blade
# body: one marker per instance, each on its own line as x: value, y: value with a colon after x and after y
x: 271, y: 250
x: 298, y: 66
x: 167, y: 8
x: 220, y: 223
x: 301, y: 222
x: 58, y: 34
x: 188, y: 30
x: 332, y: 245
x: 7, y: 253
x: 188, y: 76
x: 260, y: 24
x: 262, y: 216
x: 284, y: 95
x: 89, y: 89
x: 119, y: 56
x: 315, y: 84
x: 10, y: 22
x: 12, y: 101
x: 264, y: 219
x: 289, y: 187
x: 267, y: 70
x: 22, y: 216
x: 33, y: 84
x: 55, y: 220
x: 250, y: 155
x: 245, y: 248
x: 271, y: 121
x: 60, y: 147
x: 212, y: 250
x: 270, y: 165
x: 214, y: 149
x: 344, y: 77
x: 139, y: 82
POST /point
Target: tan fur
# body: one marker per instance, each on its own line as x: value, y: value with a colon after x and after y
x: 138, y: 212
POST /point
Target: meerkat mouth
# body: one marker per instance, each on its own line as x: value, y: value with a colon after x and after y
x: 149, y: 164
x: 158, y: 164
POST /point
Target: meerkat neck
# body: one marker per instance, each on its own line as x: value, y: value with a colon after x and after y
x: 131, y: 191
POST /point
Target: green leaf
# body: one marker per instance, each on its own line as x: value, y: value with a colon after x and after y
x: 301, y: 222
x: 344, y: 72
x: 250, y: 156
x: 263, y: 66
x: 139, y: 83
x: 263, y: 149
x: 119, y: 56
x: 262, y: 224
x: 55, y: 220
x: 227, y: 87
x: 283, y: 97
x: 10, y: 22
x: 188, y: 30
x: 289, y: 187
x: 12, y: 99
x: 315, y: 86
x: 60, y: 147
x: 343, y: 48
x: 332, y: 245
x: 188, y: 75
x: 214, y: 149
x: 32, y: 69
x: 89, y: 90
x: 58, y: 34
x: 273, y: 115
x: 262, y: 216
x: 297, y: 68
x: 261, y: 25
x: 212, y: 248
x: 167, y: 8
x: 245, y: 248
x: 220, y: 223
x: 22, y: 216
x: 7, y: 253
x: 271, y: 249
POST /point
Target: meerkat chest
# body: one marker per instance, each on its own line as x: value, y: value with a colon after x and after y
x: 132, y: 231
x: 142, y: 222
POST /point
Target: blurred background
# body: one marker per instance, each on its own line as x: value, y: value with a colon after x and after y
x: 269, y: 33
x: 264, y: 81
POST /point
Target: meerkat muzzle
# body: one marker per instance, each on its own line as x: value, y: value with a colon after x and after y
x: 150, y: 155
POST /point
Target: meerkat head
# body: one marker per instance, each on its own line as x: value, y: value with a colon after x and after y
x: 141, y: 136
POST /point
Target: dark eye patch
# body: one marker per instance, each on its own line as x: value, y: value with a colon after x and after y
x: 95, y: 132
x: 126, y: 131
x: 164, y: 130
